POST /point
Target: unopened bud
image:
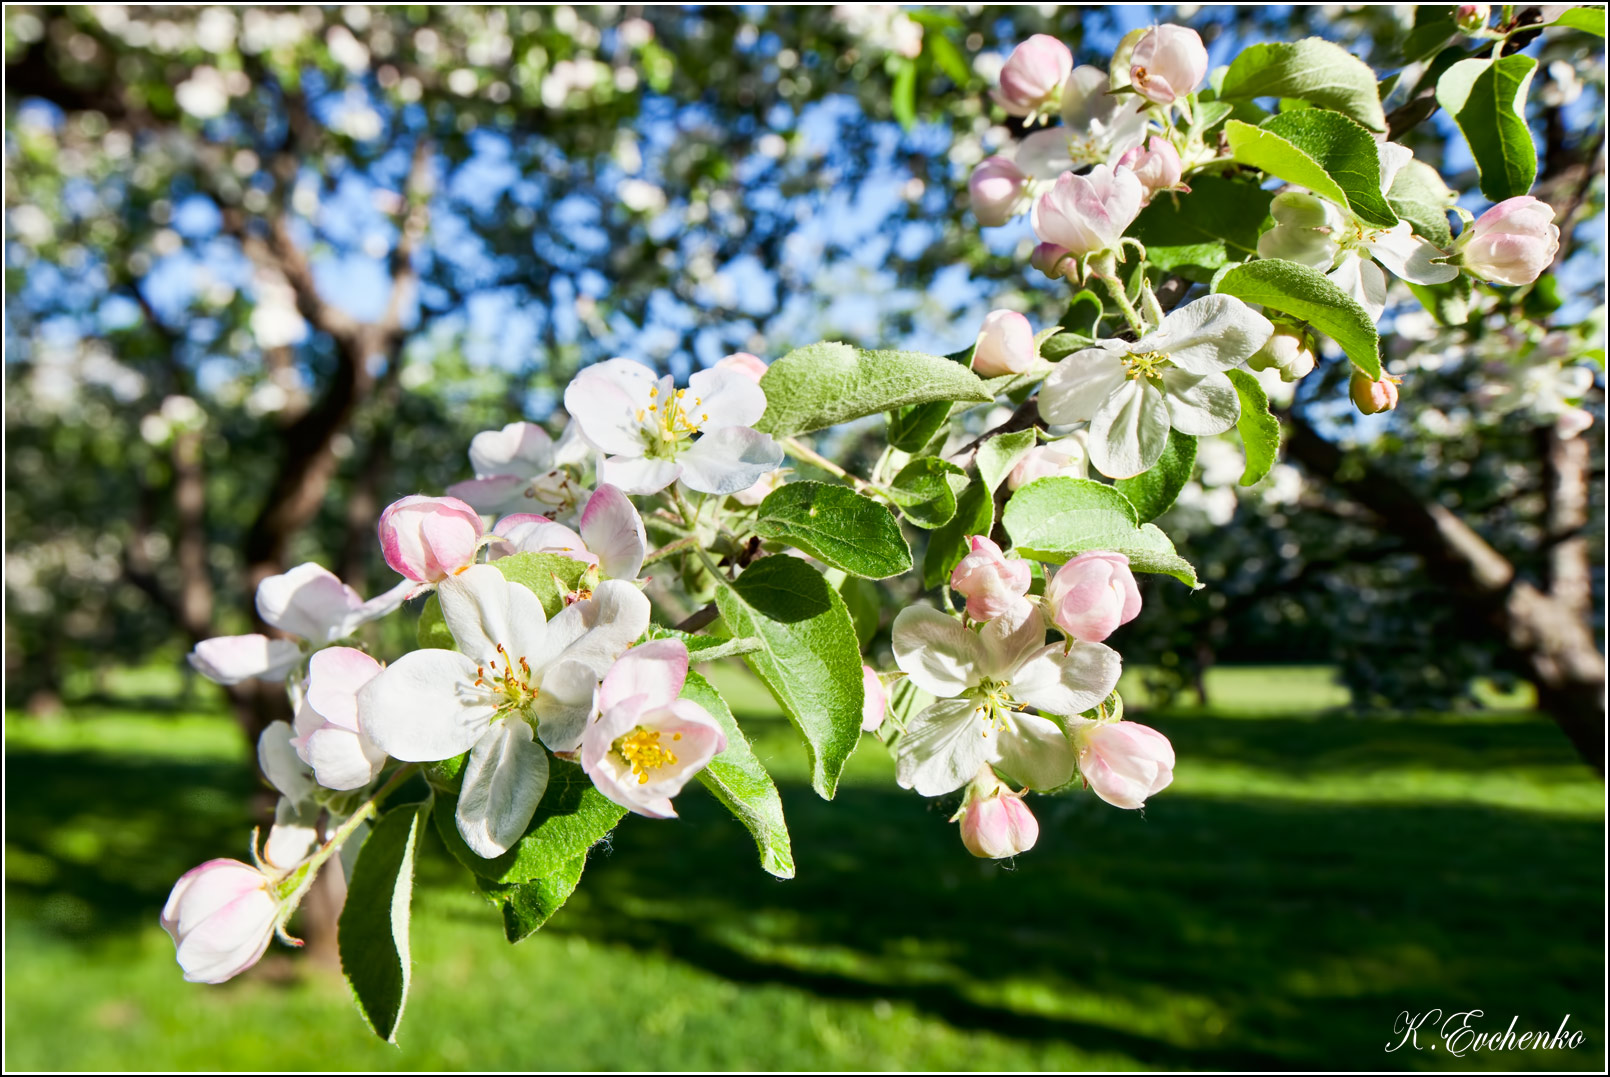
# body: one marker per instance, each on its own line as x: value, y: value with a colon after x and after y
x: 1289, y: 351
x: 1373, y: 397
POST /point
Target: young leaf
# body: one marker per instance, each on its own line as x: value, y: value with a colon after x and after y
x: 1419, y: 196
x: 828, y: 383
x: 1588, y: 18
x: 739, y: 780
x: 911, y: 428
x: 975, y: 515
x: 1260, y: 431
x: 1487, y: 99
x: 999, y: 455
x: 1312, y: 70
x: 809, y: 656
x: 373, y: 932
x: 865, y: 603
x: 923, y: 489
x: 1154, y: 490
x: 1056, y: 518
x: 1197, y: 233
x: 571, y: 817
x: 1307, y: 294
x: 1323, y: 151
x: 1448, y: 303
x: 837, y: 526
x: 528, y: 906
x: 903, y: 95
x: 543, y: 574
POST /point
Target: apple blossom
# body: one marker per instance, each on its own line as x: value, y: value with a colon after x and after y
x: 648, y: 428
x: 874, y: 700
x: 1091, y: 595
x: 646, y: 742
x: 1372, y: 397
x: 329, y: 735
x: 1005, y: 345
x: 428, y: 539
x: 1097, y: 129
x: 1472, y: 18
x: 1169, y: 62
x: 232, y: 659
x: 1133, y: 392
x: 751, y: 366
x: 612, y: 535
x: 1087, y: 214
x: 514, y: 669
x: 1123, y: 762
x: 295, y: 831
x: 1065, y: 456
x: 221, y: 916
x: 981, y: 680
x: 995, y: 822
x: 519, y: 468
x: 1053, y: 260
x: 1032, y: 78
x: 1157, y: 166
x: 997, y: 190
x: 1513, y: 242
x: 1290, y: 352
x: 993, y: 585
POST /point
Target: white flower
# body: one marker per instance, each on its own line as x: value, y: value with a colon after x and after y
x: 518, y: 468
x: 982, y: 679
x: 1097, y: 129
x: 1087, y: 214
x: 329, y: 734
x: 295, y: 831
x: 655, y: 433
x: 221, y: 916
x: 1132, y: 393
x: 612, y: 535
x: 514, y: 669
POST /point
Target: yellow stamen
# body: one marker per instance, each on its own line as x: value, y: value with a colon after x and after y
x: 641, y: 748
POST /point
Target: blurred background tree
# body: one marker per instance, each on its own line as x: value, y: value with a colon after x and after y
x: 269, y: 268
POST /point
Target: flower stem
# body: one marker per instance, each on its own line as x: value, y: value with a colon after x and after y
x: 671, y: 548
x: 1115, y: 288
x: 297, y: 883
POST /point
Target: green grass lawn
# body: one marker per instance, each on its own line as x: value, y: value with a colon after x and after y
x: 1309, y: 876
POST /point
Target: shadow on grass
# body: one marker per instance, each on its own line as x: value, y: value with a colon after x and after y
x: 1204, y: 933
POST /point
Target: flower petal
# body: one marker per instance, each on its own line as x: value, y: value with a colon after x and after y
x: 1129, y: 431
x: 1216, y: 332
x: 483, y: 610
x: 937, y: 652
x: 504, y: 780
x: 613, y: 530
x: 495, y: 494
x: 334, y: 676
x: 1081, y: 383
x: 565, y: 704
x: 309, y: 601
x: 654, y: 671
x: 424, y: 706
x: 1201, y: 405
x: 520, y: 449
x: 729, y: 459
x: 280, y: 764
x: 1410, y: 257
x: 1010, y: 639
x: 1362, y: 279
x: 639, y: 475
x: 1036, y: 752
x: 728, y: 397
x: 597, y: 630
x: 1069, y: 682
x: 943, y: 747
x: 604, y: 401
x: 232, y: 659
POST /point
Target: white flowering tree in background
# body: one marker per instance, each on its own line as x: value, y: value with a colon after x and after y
x: 1236, y: 267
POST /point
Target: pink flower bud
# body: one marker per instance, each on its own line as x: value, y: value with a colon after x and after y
x: 1169, y: 62
x: 1064, y: 457
x: 875, y: 700
x: 995, y: 822
x: 996, y: 191
x: 993, y: 585
x: 752, y: 366
x: 1031, y: 80
x: 1572, y: 422
x: 1157, y: 166
x: 1052, y: 260
x: 1512, y: 243
x: 1288, y: 351
x: 1372, y: 397
x: 1005, y: 345
x: 1123, y: 762
x: 429, y: 538
x: 1092, y: 595
x: 1472, y: 17
x: 1088, y: 213
x: 220, y: 916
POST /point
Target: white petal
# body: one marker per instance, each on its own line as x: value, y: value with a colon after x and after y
x: 281, y: 765
x: 1363, y: 280
x: 334, y: 676
x: 530, y: 533
x: 519, y: 449
x: 655, y: 671
x: 1392, y: 157
x: 1010, y: 639
x: 232, y: 659
x: 613, y: 530
x: 308, y: 601
x: 494, y: 495
x: 943, y: 748
x: 425, y: 706
x: 342, y: 758
x: 639, y: 475
x: 566, y: 702
x: 1036, y: 752
x: 728, y: 397
x: 936, y: 651
x: 483, y: 610
x: 729, y: 459
x: 1067, y: 683
x: 385, y: 602
x: 504, y: 780
x: 1409, y: 256
x: 294, y: 834
x: 1201, y: 405
x: 1130, y: 431
x: 597, y: 630
x: 1216, y: 332
x: 1045, y: 155
x: 1080, y: 384
x: 605, y: 400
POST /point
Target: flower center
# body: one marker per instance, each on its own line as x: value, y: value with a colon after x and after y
x: 995, y: 700
x: 1356, y: 237
x: 513, y: 682
x: 641, y: 749
x: 554, y: 489
x: 669, y: 422
x: 1148, y: 365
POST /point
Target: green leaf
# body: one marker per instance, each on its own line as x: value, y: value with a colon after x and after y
x: 999, y: 455
x: 1419, y: 196
x: 1587, y: 19
x: 837, y: 526
x: 865, y: 603
x: 1312, y: 70
x: 1487, y: 99
x: 1433, y: 28
x: 1448, y: 303
x: 903, y: 94
x: 1194, y: 234
x: 432, y: 630
x: 544, y: 574
x: 1083, y: 316
x: 1154, y: 490
x: 1306, y: 293
x: 528, y: 906
x: 1323, y: 151
x: 1055, y: 518
x: 1260, y: 431
x: 975, y: 515
x: 570, y: 819
x: 829, y: 383
x: 739, y: 780
x: 948, y: 58
x: 923, y: 489
x: 913, y: 427
x: 809, y: 656
x: 1061, y: 345
x: 372, y: 936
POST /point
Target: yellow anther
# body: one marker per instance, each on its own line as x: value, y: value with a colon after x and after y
x: 641, y: 748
